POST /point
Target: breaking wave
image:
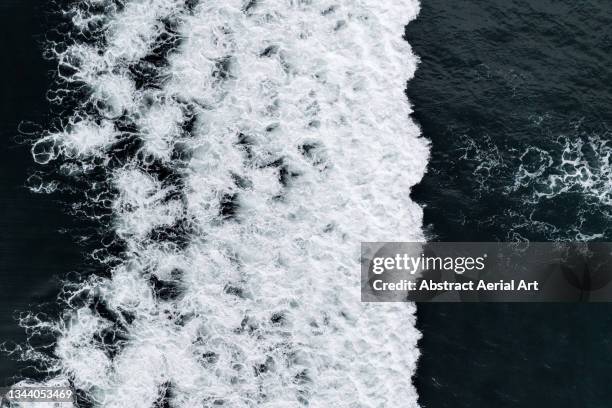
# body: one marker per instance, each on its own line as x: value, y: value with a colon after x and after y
x: 234, y: 154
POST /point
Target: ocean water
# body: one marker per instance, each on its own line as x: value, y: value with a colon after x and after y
x: 35, y: 247
x: 206, y: 170
x: 233, y: 155
x: 515, y: 99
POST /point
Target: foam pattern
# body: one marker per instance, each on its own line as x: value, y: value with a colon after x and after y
x: 242, y: 150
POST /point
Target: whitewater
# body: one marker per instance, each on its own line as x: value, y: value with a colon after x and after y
x: 237, y: 153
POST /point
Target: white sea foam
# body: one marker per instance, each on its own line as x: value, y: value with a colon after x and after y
x: 283, y: 136
x: 581, y: 165
x: 574, y: 168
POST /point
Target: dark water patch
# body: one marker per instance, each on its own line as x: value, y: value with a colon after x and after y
x: 165, y: 396
x: 166, y: 289
x: 285, y: 173
x: 314, y: 152
x: 303, y: 380
x: 249, y: 6
x: 272, y: 127
x: 146, y: 75
x: 246, y: 142
x: 178, y: 233
x: 268, y: 365
x: 241, y: 182
x: 210, y: 357
x: 279, y: 319
x: 190, y: 120
x: 229, y: 206
x: 168, y: 173
x: 124, y: 150
x: 100, y: 308
x: 497, y: 79
x: 33, y: 247
x: 167, y: 43
x: 191, y: 5
x: 247, y: 325
x: 83, y: 399
x: 110, y: 251
x: 514, y: 355
x: 269, y: 51
x: 222, y: 70
x: 235, y: 291
x: 112, y: 340
x: 329, y: 10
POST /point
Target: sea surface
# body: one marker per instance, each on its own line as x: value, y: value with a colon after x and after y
x: 33, y: 249
x: 515, y: 97
x: 187, y: 195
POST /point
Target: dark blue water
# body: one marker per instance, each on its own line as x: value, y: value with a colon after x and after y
x: 504, y: 88
x: 33, y: 249
x: 515, y: 97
